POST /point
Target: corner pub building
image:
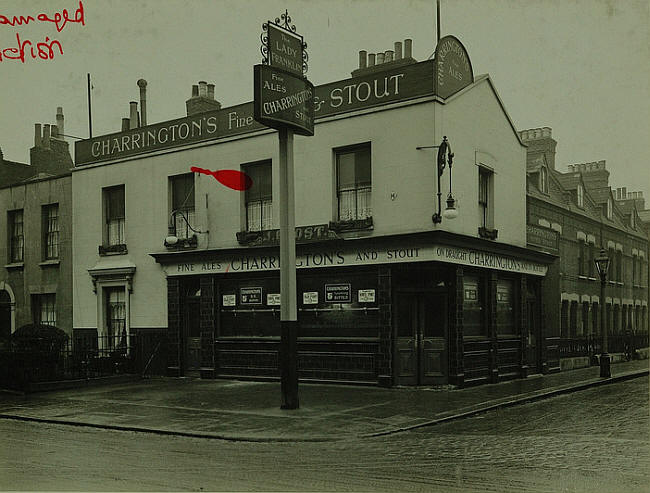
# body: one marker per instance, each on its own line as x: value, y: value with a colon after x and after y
x: 385, y: 295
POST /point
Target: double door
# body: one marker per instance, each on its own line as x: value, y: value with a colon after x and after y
x: 421, y: 321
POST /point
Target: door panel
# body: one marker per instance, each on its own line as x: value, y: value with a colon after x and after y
x: 421, y: 323
x: 192, y: 332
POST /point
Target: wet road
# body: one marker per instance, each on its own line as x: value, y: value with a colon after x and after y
x: 594, y: 440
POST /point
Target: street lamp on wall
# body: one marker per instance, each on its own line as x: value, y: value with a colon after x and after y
x: 172, y: 240
x: 445, y: 158
x: 602, y: 266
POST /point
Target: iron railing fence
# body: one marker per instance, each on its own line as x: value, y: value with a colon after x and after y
x: 85, y: 356
x: 570, y: 347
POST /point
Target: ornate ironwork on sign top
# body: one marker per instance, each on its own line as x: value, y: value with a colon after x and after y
x: 290, y: 50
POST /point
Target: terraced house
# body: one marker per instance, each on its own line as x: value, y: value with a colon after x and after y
x: 575, y: 214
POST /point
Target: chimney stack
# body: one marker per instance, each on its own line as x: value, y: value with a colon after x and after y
x: 388, y: 56
x: 371, y: 60
x: 46, y: 136
x: 126, y: 123
x: 210, y: 91
x: 142, y: 84
x: 380, y: 58
x: 202, y: 99
x: 398, y: 50
x: 59, y: 122
x: 408, y: 48
x: 37, y: 135
x: 133, y: 114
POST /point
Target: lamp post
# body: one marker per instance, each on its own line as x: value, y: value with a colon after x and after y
x: 602, y: 265
x: 445, y: 157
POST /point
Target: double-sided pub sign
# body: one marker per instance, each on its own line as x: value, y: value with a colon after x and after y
x: 283, y: 97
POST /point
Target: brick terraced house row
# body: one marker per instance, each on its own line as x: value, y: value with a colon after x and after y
x: 575, y: 214
x: 36, y: 246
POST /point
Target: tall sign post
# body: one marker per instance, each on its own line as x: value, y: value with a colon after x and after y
x: 284, y: 100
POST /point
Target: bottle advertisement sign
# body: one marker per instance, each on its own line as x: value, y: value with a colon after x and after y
x: 283, y: 99
x: 251, y: 296
x: 338, y: 293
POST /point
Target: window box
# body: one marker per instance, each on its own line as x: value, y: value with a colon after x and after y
x: 113, y: 249
x: 490, y: 234
x: 351, y: 225
x: 184, y: 243
x: 249, y: 237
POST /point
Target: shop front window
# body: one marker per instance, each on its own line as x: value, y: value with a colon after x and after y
x: 506, y: 308
x: 474, y: 307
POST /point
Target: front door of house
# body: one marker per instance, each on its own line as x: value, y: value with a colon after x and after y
x: 533, y: 349
x: 421, y: 343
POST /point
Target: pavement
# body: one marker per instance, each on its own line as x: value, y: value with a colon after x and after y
x: 250, y: 411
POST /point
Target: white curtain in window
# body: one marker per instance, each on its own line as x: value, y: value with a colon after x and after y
x: 116, y: 232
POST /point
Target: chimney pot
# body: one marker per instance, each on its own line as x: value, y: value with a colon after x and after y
x: 59, y: 123
x: 37, y: 135
x: 408, y: 48
x: 195, y: 91
x: 398, y: 50
x: 362, y: 58
x: 142, y: 84
x: 126, y: 123
x: 203, y: 90
x: 46, y: 136
x: 210, y: 91
x: 624, y: 192
x: 371, y: 60
x: 133, y: 114
x: 380, y: 58
x: 388, y: 56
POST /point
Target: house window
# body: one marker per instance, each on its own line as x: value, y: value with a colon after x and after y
x: 564, y: 319
x: 619, y: 266
x: 182, y: 204
x: 474, y: 311
x: 573, y: 319
x: 44, y: 307
x: 259, y: 197
x: 16, y: 237
x: 505, y: 308
x: 115, y: 315
x: 484, y: 178
x: 353, y: 184
x: 543, y: 179
x: 592, y: 265
x: 114, y: 215
x: 634, y: 282
x: 581, y: 194
x: 50, y: 214
x: 582, y: 258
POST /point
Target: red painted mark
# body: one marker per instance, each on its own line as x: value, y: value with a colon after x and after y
x: 231, y: 178
x: 227, y: 267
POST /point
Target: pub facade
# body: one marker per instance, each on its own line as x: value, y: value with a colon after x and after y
x: 385, y: 294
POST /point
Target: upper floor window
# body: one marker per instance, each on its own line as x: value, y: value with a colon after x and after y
x: 484, y: 198
x: 259, y: 197
x: 114, y: 216
x: 16, y: 236
x: 353, y: 183
x: 50, y: 223
x: 581, y: 193
x: 182, y: 204
x: 543, y: 179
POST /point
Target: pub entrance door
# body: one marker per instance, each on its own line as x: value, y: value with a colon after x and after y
x: 421, y: 345
x: 191, y: 332
x: 533, y: 347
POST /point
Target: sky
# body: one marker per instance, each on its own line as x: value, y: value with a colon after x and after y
x: 581, y: 67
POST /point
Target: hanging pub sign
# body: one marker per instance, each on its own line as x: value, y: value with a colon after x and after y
x: 283, y: 97
x: 452, y: 65
x: 283, y: 100
x: 285, y: 49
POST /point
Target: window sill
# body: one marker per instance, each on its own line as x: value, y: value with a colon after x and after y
x: 47, y: 263
x: 592, y: 278
x: 352, y: 225
x: 489, y: 234
x: 15, y: 265
x: 582, y: 277
x: 106, y: 250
